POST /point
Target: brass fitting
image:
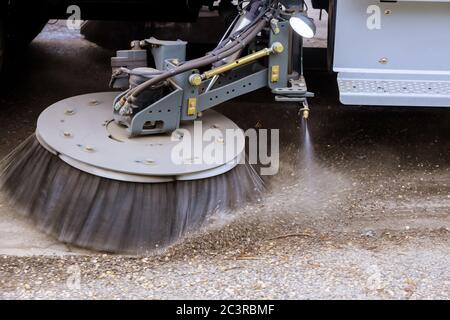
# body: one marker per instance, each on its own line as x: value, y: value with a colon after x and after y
x: 305, y: 111
x: 274, y: 26
x: 277, y: 47
x: 195, y: 79
x: 192, y: 107
x: 306, y: 114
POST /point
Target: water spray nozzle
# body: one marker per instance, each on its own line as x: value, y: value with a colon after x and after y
x: 305, y: 111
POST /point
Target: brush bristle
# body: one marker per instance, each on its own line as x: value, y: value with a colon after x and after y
x: 114, y: 216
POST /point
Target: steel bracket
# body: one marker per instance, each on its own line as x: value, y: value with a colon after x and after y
x: 296, y: 92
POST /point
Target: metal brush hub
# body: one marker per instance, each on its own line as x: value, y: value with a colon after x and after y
x: 81, y: 131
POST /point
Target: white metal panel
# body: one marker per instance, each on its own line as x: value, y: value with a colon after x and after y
x: 414, y: 37
x: 411, y: 43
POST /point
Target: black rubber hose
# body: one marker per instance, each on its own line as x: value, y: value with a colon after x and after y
x: 231, y: 39
x: 223, y: 49
x: 242, y: 42
x: 257, y: 17
x: 233, y: 44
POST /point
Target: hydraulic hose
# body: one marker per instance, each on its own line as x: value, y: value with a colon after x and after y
x: 252, y: 14
x: 230, y: 46
x: 227, y: 42
x: 195, y: 64
x: 223, y: 49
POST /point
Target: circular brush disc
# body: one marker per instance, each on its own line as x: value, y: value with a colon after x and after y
x: 106, y: 193
x: 80, y: 130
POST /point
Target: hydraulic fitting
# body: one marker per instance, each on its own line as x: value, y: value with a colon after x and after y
x: 305, y: 111
x: 195, y: 79
x: 277, y: 47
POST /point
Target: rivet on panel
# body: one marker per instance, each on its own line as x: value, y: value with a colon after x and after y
x: 149, y: 162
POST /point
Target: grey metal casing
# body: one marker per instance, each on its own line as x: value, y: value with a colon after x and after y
x: 403, y: 61
x: 165, y: 111
x: 163, y: 50
x: 130, y: 59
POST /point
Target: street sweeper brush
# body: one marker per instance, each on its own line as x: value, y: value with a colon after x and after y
x: 82, y: 179
x: 135, y: 170
x: 114, y: 216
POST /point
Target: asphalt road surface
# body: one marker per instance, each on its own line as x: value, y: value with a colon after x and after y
x: 367, y: 216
